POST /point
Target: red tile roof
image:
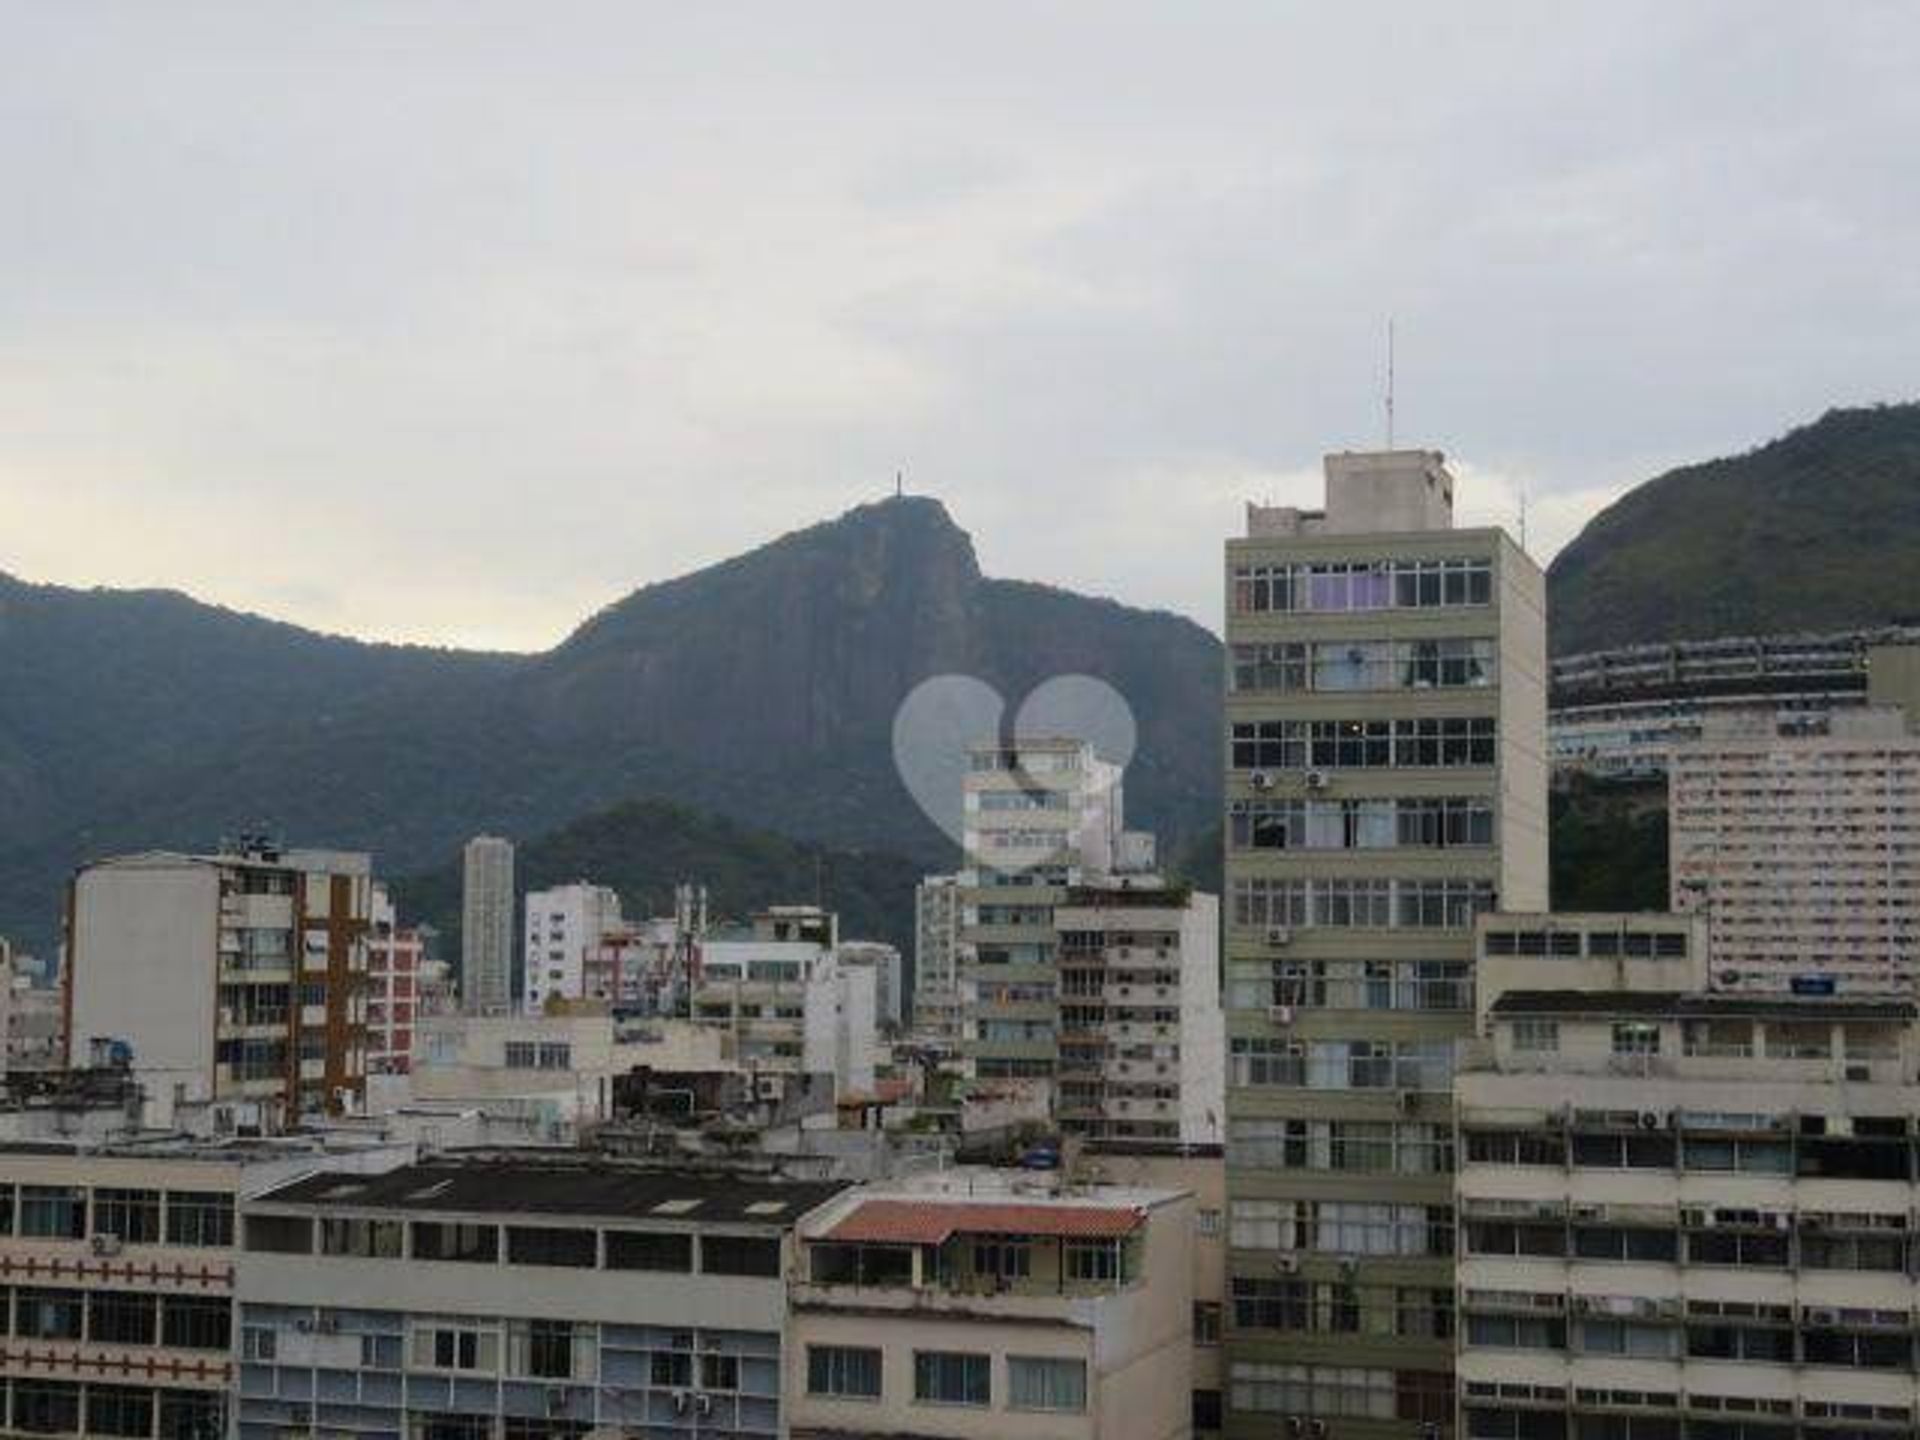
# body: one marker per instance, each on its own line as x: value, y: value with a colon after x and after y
x: 933, y: 1222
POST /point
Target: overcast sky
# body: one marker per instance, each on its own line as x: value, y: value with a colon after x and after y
x: 452, y: 323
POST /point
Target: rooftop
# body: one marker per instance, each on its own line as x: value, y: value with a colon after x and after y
x: 600, y: 1190
x: 1686, y: 1005
x: 935, y: 1221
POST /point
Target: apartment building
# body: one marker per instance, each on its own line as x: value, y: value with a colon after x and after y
x: 777, y: 987
x: 396, y: 959
x: 517, y: 1301
x: 239, y: 976
x: 889, y: 997
x: 1200, y: 1171
x: 565, y: 925
x: 1684, y: 1214
x: 974, y: 1310
x: 936, y: 944
x: 1801, y: 846
x: 1386, y: 780
x: 1140, y: 1029
x: 1040, y: 815
x: 486, y: 925
x: 118, y: 1265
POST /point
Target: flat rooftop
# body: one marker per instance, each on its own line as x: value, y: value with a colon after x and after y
x: 1687, y: 1005
x: 585, y: 1191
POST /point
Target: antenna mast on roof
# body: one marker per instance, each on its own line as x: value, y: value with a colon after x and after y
x: 1389, y: 382
x: 899, y: 483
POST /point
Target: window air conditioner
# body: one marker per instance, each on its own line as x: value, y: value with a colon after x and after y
x: 1279, y: 935
x: 1318, y: 779
x: 1260, y: 779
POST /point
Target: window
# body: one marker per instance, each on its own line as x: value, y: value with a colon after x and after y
x: 650, y: 1250
x: 49, y: 1314
x: 453, y: 1345
x: 1003, y: 1260
x: 1093, y: 1260
x: 121, y: 1318
x: 671, y: 1369
x: 1034, y: 1383
x: 952, y: 1377
x: 719, y: 1372
x: 53, y: 1212
x: 537, y: 1055
x: 194, y: 1322
x: 46, y: 1407
x: 552, y: 1245
x: 258, y: 1342
x: 1635, y: 1037
x: 550, y: 1350
x: 847, y: 1371
x: 359, y: 1237
x: 1206, y: 1410
x: 1536, y: 1036
x: 131, y: 1215
x: 442, y: 1240
x: 191, y: 1415
x: 739, y: 1255
x: 1206, y: 1322
x: 1517, y: 1332
x: 1626, y: 1337
x: 119, y: 1410
x: 280, y: 1234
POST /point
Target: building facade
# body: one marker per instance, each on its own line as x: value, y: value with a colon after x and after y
x: 936, y: 945
x: 565, y: 927
x: 1040, y: 815
x: 1386, y: 780
x: 1802, y: 849
x: 236, y: 977
x: 1141, y: 1033
x: 1683, y: 1214
x: 962, y: 1312
x: 517, y: 1301
x: 396, y: 956
x: 486, y: 925
x: 888, y: 979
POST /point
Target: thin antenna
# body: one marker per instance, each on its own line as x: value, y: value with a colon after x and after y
x: 899, y: 483
x: 1389, y: 382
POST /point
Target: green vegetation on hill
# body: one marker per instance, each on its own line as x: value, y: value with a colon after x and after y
x: 1818, y: 530
x: 1609, y: 847
x: 644, y: 848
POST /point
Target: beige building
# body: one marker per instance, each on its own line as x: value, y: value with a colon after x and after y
x: 1683, y: 1214
x: 486, y: 925
x: 1140, y: 1031
x: 1200, y: 1171
x: 1801, y: 847
x: 234, y: 977
x: 1386, y: 782
x: 971, y: 1310
x: 936, y: 943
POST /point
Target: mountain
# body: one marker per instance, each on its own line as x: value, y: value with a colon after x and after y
x: 1818, y: 530
x: 642, y: 848
x: 762, y: 689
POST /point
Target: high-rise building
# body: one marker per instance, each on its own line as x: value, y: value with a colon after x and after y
x: 1386, y: 781
x: 564, y: 927
x: 1801, y: 845
x: 234, y: 977
x: 396, y: 956
x: 1683, y: 1213
x: 486, y: 926
x: 884, y: 961
x: 936, y: 941
x: 1040, y: 815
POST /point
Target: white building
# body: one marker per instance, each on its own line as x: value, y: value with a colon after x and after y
x: 227, y: 977
x: 565, y: 928
x: 1142, y: 1036
x: 791, y: 1007
x: 936, y: 944
x: 396, y: 972
x: 512, y: 1299
x: 1802, y: 849
x: 884, y: 961
x: 1682, y: 1213
x: 486, y: 925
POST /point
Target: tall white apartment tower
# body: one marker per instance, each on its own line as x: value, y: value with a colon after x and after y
x: 1800, y: 844
x: 936, y: 942
x: 1386, y: 781
x: 565, y: 926
x: 486, y: 926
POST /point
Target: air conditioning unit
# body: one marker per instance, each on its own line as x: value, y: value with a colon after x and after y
x: 1859, y: 1072
x: 1287, y: 1263
x: 105, y: 1244
x: 1317, y: 779
x: 703, y: 1403
x: 1652, y: 1120
x: 1589, y: 1212
x: 680, y: 1401
x: 1279, y: 935
x: 1260, y: 779
x: 1280, y: 1014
